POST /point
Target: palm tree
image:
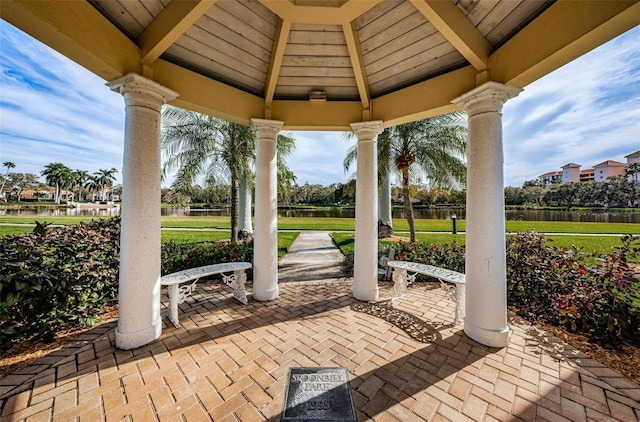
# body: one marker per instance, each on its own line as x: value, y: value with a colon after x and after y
x: 434, y: 148
x: 58, y: 175
x: 105, y: 178
x: 196, y: 145
x: 80, y: 177
x: 9, y: 165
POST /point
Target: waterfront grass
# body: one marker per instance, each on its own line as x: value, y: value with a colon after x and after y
x: 587, y: 244
x: 348, y: 224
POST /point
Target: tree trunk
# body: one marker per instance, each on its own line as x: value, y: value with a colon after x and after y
x: 235, y: 205
x: 408, y: 209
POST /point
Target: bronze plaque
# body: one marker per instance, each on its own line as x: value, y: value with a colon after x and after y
x: 318, y: 394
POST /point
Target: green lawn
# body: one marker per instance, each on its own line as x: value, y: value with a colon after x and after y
x: 348, y: 224
x: 599, y: 244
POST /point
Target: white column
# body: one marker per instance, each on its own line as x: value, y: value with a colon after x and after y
x: 244, y: 225
x: 265, y: 237
x: 365, y: 266
x: 139, y: 319
x: 485, y: 266
x: 384, y: 206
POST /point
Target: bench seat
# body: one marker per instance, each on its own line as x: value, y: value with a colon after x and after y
x: 404, y: 273
x: 178, y: 294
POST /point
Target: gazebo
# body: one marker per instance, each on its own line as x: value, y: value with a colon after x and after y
x: 358, y: 65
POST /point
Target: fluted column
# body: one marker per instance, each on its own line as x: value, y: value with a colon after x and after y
x: 139, y: 319
x: 485, y: 266
x: 365, y: 265
x: 265, y: 237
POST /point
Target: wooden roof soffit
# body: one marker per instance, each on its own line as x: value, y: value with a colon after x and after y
x: 449, y: 20
x: 169, y: 25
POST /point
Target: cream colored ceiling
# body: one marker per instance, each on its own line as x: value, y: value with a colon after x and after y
x: 389, y: 60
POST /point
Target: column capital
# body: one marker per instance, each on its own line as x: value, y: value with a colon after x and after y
x: 367, y: 130
x: 488, y: 97
x: 266, y: 128
x: 143, y: 92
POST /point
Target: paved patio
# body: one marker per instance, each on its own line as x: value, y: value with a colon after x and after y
x: 229, y: 362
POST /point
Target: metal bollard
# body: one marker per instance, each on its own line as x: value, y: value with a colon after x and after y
x: 453, y: 222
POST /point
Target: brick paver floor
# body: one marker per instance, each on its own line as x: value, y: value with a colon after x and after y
x: 229, y: 362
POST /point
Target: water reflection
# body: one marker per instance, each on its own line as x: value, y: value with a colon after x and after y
x: 420, y: 213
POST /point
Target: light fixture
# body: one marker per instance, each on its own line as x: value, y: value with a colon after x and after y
x: 317, y: 95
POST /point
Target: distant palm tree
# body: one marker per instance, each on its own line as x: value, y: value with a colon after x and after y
x: 9, y: 165
x: 58, y: 175
x: 105, y: 178
x: 196, y: 145
x: 80, y: 177
x: 434, y: 148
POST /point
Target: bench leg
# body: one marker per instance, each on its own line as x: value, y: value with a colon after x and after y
x: 173, y: 304
x: 237, y: 281
x: 460, y: 299
x: 399, y: 277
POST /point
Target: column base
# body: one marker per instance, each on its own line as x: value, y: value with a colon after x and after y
x: 487, y: 337
x: 127, y: 341
x: 365, y: 294
x: 267, y: 295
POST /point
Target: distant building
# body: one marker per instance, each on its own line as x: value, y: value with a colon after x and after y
x: 551, y: 177
x: 572, y: 172
x: 608, y: 169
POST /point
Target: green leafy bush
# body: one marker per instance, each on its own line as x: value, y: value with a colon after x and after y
x: 182, y: 256
x: 56, y: 276
x: 557, y: 286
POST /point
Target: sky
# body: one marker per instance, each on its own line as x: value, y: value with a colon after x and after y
x: 587, y: 112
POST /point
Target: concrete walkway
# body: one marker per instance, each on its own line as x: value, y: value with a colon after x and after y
x: 313, y: 256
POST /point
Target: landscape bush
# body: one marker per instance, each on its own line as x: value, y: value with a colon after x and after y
x: 182, y: 256
x: 56, y: 276
x: 554, y: 285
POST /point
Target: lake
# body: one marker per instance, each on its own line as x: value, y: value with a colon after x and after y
x: 421, y: 213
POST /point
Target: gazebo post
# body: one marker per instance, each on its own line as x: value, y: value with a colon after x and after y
x: 365, y: 266
x: 139, y: 319
x: 485, y: 266
x: 265, y: 241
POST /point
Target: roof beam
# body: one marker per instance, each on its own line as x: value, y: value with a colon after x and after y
x: 449, y: 20
x: 549, y: 42
x: 355, y: 54
x: 319, y: 14
x: 277, y: 55
x: 169, y: 25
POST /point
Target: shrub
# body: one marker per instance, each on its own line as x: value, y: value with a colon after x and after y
x: 557, y: 286
x: 56, y: 276
x: 182, y: 256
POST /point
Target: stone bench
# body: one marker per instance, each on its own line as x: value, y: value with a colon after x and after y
x: 178, y: 294
x: 404, y: 273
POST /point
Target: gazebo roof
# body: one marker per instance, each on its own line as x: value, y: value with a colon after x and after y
x: 323, y: 64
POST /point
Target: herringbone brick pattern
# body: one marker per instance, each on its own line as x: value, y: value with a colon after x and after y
x: 229, y: 362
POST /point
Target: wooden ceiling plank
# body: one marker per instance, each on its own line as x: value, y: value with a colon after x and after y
x: 277, y: 55
x: 169, y: 25
x: 457, y: 29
